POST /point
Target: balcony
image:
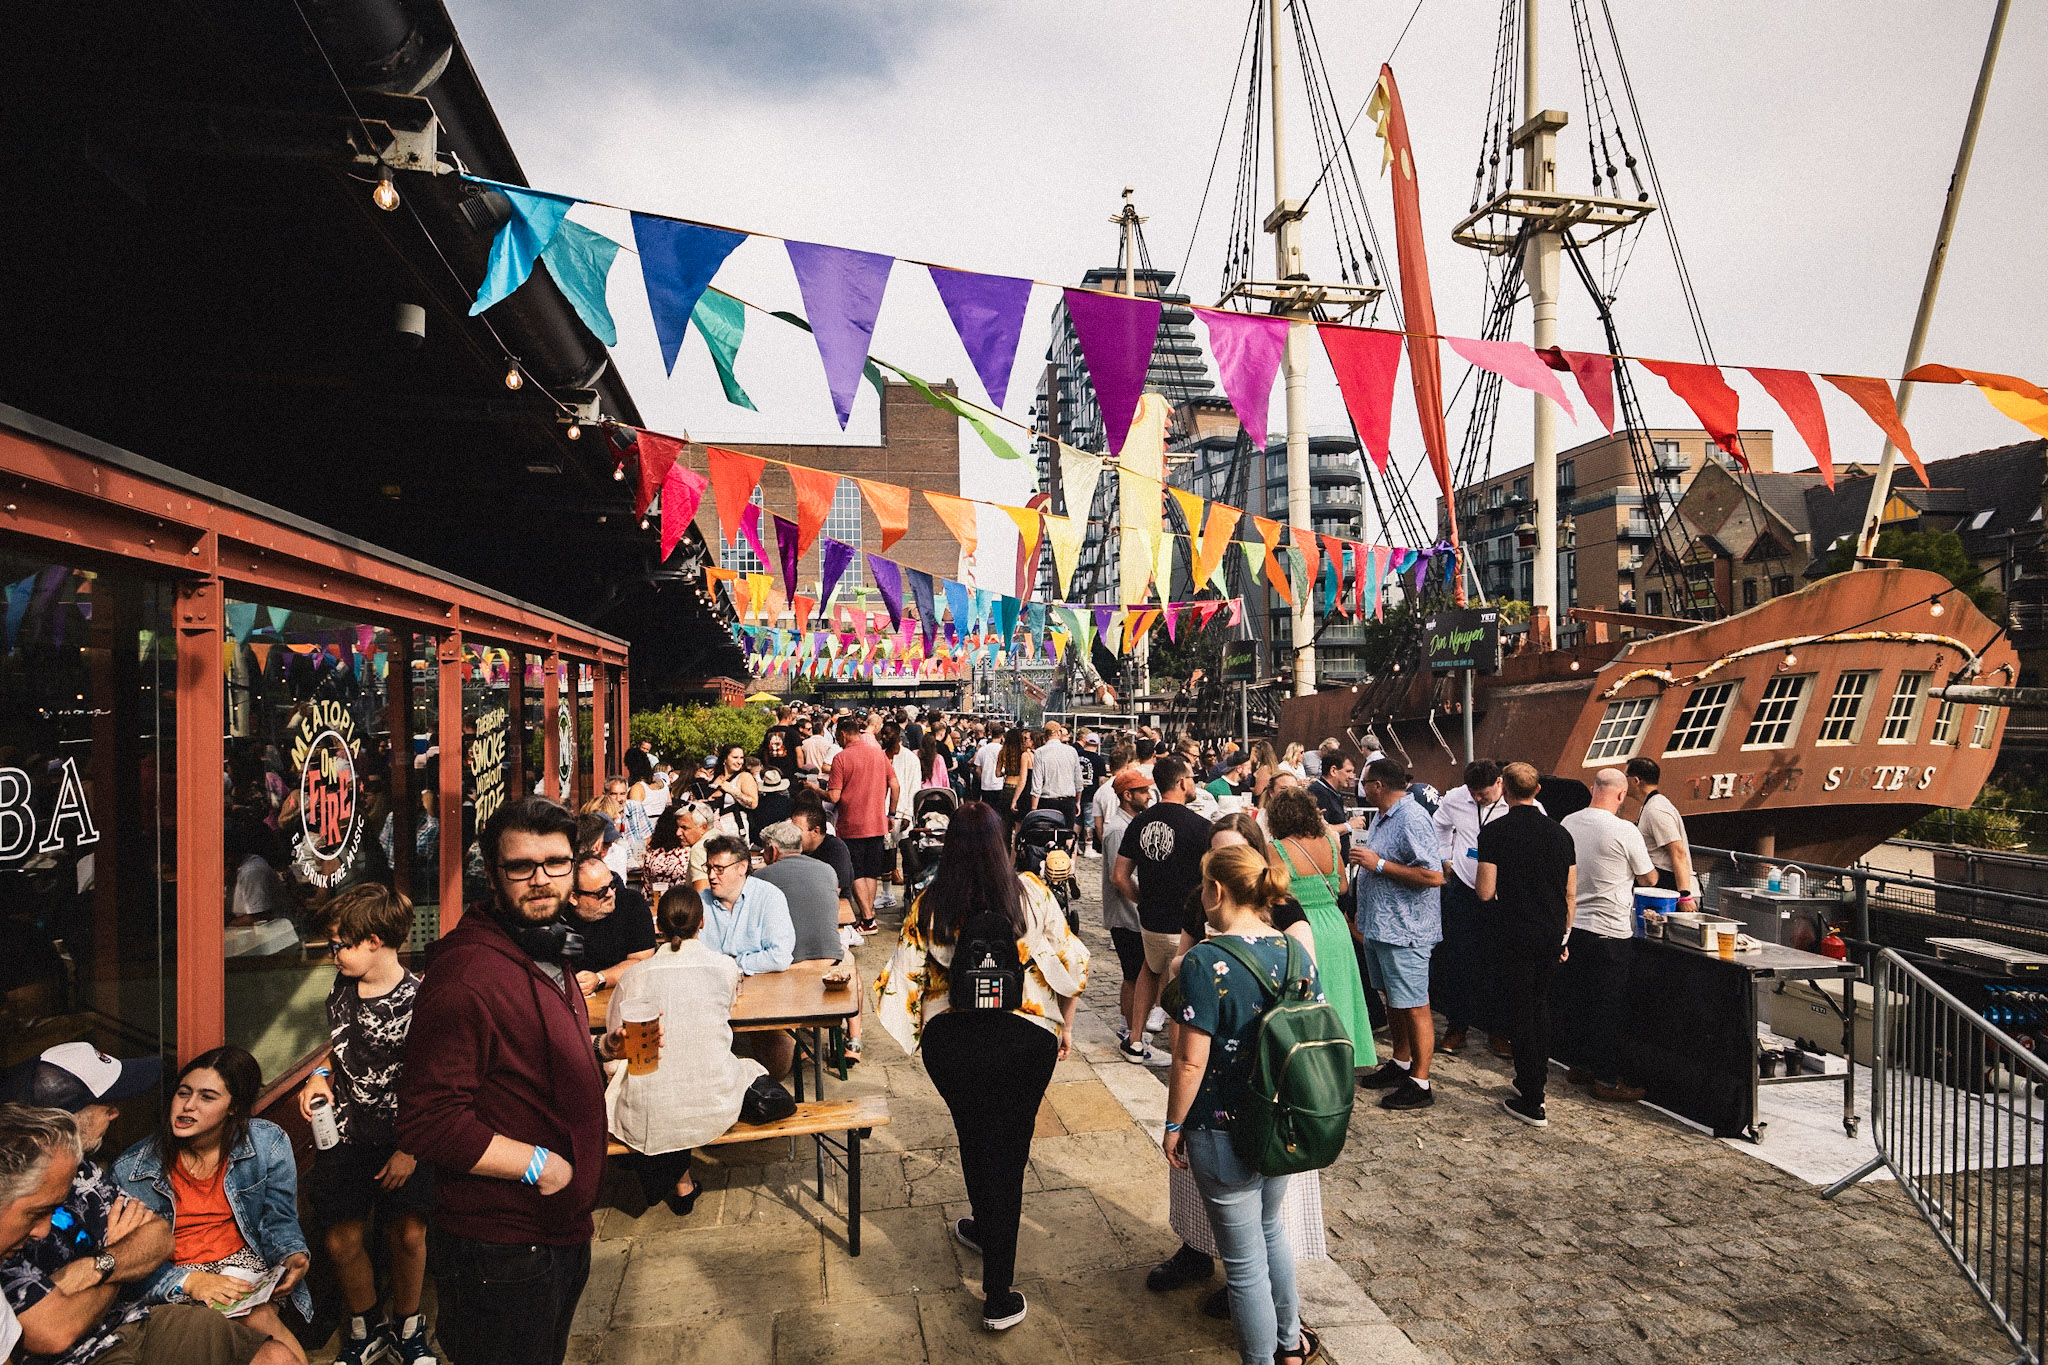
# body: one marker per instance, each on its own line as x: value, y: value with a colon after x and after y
x: 1671, y: 461
x: 1637, y: 528
x: 1344, y: 498
x: 1342, y: 635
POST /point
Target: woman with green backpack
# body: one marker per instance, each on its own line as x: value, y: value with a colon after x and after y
x: 1232, y: 1121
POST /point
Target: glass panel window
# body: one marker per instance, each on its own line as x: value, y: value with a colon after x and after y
x: 565, y: 734
x: 1620, y: 729
x: 487, y: 682
x: 1980, y: 737
x: 309, y: 758
x: 1700, y: 722
x: 88, y: 767
x: 1902, y: 718
x: 740, y: 554
x: 1845, y: 708
x: 1945, y: 723
x: 842, y: 523
x: 1777, y: 715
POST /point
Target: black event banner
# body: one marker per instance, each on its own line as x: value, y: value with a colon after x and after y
x: 1467, y: 637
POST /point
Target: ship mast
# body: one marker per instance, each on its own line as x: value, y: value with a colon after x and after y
x: 1881, y: 486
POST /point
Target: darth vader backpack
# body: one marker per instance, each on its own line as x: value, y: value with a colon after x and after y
x: 987, y: 972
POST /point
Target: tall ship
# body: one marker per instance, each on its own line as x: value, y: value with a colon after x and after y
x: 1811, y: 726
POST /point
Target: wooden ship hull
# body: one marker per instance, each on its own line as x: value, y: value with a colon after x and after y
x: 1806, y: 728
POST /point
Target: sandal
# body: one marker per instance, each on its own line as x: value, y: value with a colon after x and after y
x: 1308, y: 1349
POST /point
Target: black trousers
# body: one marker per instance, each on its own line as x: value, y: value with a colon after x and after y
x: 1069, y: 806
x: 991, y: 1067
x: 505, y: 1304
x: 1525, y: 981
x: 660, y: 1172
x: 1454, y: 962
x: 1601, y: 967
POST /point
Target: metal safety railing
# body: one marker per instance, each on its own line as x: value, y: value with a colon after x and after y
x: 1959, y: 1112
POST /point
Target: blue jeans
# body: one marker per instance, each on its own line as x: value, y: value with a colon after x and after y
x: 1258, y: 1262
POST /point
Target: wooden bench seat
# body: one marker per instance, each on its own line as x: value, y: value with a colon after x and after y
x: 816, y: 1119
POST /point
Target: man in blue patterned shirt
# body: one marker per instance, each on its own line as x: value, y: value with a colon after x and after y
x: 1400, y: 873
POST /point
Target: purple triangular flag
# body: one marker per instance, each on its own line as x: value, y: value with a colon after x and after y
x: 1116, y: 335
x: 833, y: 557
x: 927, y: 608
x: 1102, y: 615
x: 785, y: 550
x: 1248, y: 348
x: 889, y: 580
x: 750, y: 525
x: 988, y: 313
x: 842, y: 291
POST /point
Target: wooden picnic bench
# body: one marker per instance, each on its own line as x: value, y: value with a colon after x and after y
x: 855, y: 1118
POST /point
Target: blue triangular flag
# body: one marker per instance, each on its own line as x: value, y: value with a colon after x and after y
x: 676, y: 261
x: 536, y: 218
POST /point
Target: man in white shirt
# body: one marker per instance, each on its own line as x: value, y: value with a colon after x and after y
x: 1455, y: 964
x: 1663, y: 829
x: 988, y: 765
x: 1613, y: 861
x: 1056, y: 774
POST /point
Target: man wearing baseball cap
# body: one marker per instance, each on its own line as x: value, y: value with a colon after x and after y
x: 75, y: 1286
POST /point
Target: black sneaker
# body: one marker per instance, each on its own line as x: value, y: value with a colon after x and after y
x: 1002, y: 1313
x: 1408, y: 1095
x: 963, y: 1233
x: 1386, y: 1078
x: 1531, y: 1114
x: 1183, y: 1267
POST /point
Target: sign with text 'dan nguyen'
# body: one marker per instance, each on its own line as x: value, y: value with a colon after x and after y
x: 1240, y: 661
x: 1467, y: 637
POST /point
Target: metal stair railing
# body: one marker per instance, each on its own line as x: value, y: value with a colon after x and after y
x: 1959, y: 1111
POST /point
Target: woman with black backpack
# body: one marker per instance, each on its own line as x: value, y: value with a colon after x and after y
x: 1225, y: 984
x: 985, y: 980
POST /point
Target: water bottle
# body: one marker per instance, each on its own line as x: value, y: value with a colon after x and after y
x: 326, y: 1131
x: 1774, y: 881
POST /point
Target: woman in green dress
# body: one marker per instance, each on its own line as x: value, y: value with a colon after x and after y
x: 1301, y: 839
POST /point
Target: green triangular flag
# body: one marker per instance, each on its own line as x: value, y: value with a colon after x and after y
x: 580, y: 259
x: 721, y: 320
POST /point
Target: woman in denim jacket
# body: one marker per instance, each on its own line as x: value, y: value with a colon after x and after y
x: 229, y: 1186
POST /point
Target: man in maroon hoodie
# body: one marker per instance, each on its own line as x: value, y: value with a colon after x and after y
x: 501, y: 1091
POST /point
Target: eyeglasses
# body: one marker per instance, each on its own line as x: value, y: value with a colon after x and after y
x: 334, y: 947
x: 523, y: 869
x: 717, y: 868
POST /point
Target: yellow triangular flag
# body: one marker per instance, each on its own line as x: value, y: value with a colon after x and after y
x: 1162, y: 569
x: 1066, y: 535
x: 1190, y: 510
x: 1026, y: 520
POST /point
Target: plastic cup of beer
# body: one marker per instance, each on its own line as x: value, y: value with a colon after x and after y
x: 640, y: 1023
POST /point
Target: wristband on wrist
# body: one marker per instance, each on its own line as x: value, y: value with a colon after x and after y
x: 534, y: 1166
x: 322, y: 1071
x: 1172, y: 1127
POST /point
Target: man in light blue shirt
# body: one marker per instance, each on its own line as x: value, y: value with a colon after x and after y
x: 1400, y: 875
x: 745, y: 918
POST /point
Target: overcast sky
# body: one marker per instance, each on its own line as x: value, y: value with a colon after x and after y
x: 1804, y: 149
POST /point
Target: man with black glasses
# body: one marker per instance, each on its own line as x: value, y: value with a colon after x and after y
x: 501, y: 1092
x: 616, y: 933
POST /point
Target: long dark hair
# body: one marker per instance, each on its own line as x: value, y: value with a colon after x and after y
x: 241, y: 1073
x: 928, y: 752
x: 1012, y: 759
x: 974, y: 877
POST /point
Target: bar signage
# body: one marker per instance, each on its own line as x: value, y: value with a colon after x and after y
x: 1464, y: 637
x: 324, y: 751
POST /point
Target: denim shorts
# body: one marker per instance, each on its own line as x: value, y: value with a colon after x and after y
x: 1401, y: 971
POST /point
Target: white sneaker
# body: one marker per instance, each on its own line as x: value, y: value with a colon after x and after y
x: 1155, y: 1022
x: 850, y: 937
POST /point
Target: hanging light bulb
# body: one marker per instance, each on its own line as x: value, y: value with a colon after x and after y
x: 643, y: 523
x: 619, y: 473
x: 1575, y: 663
x: 575, y: 432
x: 385, y: 196
x: 513, y: 379
x: 1934, y: 607
x: 1791, y: 661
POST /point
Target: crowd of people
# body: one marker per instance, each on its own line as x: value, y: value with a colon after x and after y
x: 463, y: 1112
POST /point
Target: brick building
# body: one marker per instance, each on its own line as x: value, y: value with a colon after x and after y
x: 919, y: 449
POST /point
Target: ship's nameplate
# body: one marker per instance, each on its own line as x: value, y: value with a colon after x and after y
x: 1464, y: 637
x: 1876, y: 777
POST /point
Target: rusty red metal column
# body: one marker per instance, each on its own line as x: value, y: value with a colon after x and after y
x: 448, y: 736
x: 551, y: 725
x: 202, y: 707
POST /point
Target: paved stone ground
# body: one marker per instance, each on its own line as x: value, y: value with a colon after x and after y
x: 1616, y: 1235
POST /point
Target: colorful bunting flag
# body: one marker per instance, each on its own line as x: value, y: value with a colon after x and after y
x: 750, y: 527
x: 1079, y: 473
x: 2021, y: 400
x: 1595, y: 375
x: 1116, y: 333
x: 657, y: 454
x: 958, y: 515
x: 1276, y: 577
x: 1516, y: 363
x: 1704, y: 391
x: 1796, y: 394
x: 1066, y: 535
x: 833, y: 558
x: 1874, y: 396
x: 815, y: 490
x: 1418, y: 304
x: 682, y: 492
x: 891, y: 506
x: 842, y: 292
x: 677, y: 261
x: 988, y: 313
x: 960, y: 602
x: 1220, y: 526
x: 721, y: 320
x: 1366, y: 363
x: 537, y: 217
x: 733, y: 479
x: 1247, y: 348
x: 580, y: 261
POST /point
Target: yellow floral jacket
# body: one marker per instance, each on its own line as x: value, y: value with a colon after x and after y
x: 913, y: 987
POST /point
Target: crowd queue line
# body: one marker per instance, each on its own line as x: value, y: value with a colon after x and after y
x: 474, y: 1144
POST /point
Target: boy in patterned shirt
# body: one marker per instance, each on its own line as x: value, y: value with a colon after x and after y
x: 369, y: 1012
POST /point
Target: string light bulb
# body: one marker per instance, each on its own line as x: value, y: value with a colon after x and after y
x: 1791, y: 661
x: 643, y: 523
x: 619, y: 473
x: 513, y: 379
x: 1575, y: 663
x: 575, y: 432
x: 385, y: 195
x: 1934, y: 607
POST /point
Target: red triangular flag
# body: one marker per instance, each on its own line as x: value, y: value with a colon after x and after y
x: 1311, y: 556
x: 1874, y: 396
x: 1366, y: 363
x: 1595, y: 373
x: 682, y: 490
x: 657, y: 453
x: 733, y: 479
x: 1708, y: 395
x: 1795, y: 393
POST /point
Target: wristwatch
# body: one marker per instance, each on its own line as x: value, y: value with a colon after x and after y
x: 104, y: 1264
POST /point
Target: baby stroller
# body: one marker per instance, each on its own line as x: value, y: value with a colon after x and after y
x: 931, y: 813
x: 1045, y: 846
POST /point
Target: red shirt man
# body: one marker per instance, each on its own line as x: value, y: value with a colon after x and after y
x: 864, y: 792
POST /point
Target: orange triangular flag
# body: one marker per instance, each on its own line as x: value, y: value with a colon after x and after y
x: 1874, y: 396
x: 733, y: 479
x: 2022, y: 400
x: 892, y: 509
x: 1311, y: 553
x: 801, y: 607
x: 815, y: 489
x: 1276, y: 577
x: 958, y: 514
x: 1216, y: 534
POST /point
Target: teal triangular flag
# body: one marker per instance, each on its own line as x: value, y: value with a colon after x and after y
x: 580, y: 260
x: 536, y: 218
x: 722, y: 321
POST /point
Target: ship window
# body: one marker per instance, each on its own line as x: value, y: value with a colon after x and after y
x: 1903, y: 717
x: 1620, y: 729
x: 1777, y: 714
x: 1845, y: 708
x: 1700, y: 722
x: 1981, y: 736
x: 1945, y: 723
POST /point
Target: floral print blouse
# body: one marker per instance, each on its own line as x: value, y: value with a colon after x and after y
x: 912, y: 988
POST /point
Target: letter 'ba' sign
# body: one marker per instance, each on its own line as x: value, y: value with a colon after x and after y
x: 69, y: 820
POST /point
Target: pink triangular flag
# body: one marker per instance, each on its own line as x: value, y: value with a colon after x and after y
x: 1247, y: 348
x: 1172, y: 619
x: 681, y: 491
x: 1517, y: 364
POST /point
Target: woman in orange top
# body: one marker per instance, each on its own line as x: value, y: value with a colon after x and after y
x: 229, y: 1186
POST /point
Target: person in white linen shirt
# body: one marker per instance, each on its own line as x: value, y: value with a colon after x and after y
x: 1613, y: 860
x: 988, y: 764
x: 1455, y: 964
x: 696, y: 1091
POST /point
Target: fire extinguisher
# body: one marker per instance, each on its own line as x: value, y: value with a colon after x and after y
x: 1834, y: 945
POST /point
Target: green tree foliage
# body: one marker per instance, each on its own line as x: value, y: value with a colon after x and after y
x: 2011, y: 812
x: 1936, y: 551
x: 1176, y: 660
x: 684, y: 734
